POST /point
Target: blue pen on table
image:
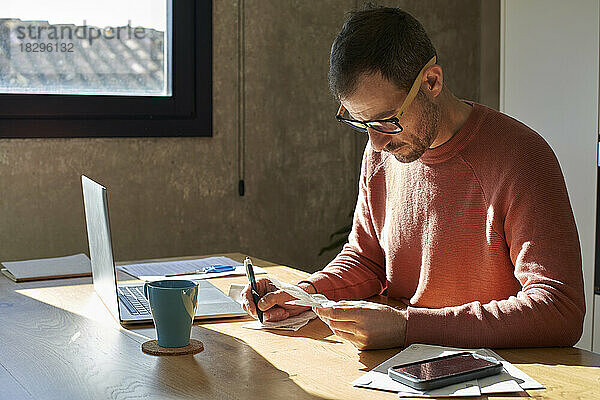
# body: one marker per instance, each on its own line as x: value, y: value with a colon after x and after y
x: 255, y: 295
x: 206, y: 270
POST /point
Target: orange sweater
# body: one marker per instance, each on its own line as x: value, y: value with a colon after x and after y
x: 477, y: 237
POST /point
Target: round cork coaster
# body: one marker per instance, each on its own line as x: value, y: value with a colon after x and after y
x: 151, y: 347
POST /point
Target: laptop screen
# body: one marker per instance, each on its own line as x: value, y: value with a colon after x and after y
x: 101, y: 254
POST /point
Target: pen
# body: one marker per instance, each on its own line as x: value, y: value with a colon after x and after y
x: 255, y: 296
x: 206, y: 270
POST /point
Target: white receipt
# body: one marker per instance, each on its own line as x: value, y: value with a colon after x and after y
x: 289, y: 324
x: 302, y: 297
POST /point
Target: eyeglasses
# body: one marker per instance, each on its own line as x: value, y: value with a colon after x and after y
x: 388, y: 126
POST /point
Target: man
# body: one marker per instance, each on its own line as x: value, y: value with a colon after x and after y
x: 462, y: 211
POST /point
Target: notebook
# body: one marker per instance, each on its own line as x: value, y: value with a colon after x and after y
x: 48, y: 268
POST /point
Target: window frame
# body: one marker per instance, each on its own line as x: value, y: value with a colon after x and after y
x: 187, y: 112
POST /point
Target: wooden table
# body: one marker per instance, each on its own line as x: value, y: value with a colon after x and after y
x: 58, y: 341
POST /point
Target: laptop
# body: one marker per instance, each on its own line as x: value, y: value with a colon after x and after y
x: 126, y: 302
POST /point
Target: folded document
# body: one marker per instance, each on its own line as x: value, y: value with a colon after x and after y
x: 302, y: 297
x: 289, y: 324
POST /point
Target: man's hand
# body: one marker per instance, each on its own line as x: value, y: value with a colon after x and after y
x: 272, y: 301
x: 366, y: 325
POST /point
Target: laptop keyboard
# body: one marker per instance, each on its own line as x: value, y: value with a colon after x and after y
x: 133, y: 298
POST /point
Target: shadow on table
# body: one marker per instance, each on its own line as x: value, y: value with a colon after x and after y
x: 570, y: 356
x: 226, y: 368
x: 372, y: 358
x: 50, y: 352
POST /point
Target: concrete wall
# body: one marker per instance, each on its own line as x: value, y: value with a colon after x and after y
x: 178, y: 196
x: 565, y: 113
x: 489, y: 72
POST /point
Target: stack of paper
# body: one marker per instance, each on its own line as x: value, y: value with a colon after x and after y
x: 48, y: 268
x: 289, y: 324
x: 152, y: 271
x: 511, y: 379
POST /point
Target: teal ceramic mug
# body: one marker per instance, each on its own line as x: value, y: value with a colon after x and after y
x: 173, y: 305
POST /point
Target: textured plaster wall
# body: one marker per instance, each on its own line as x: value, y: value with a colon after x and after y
x: 178, y: 196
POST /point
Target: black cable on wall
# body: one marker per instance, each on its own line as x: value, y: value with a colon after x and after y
x: 241, y: 134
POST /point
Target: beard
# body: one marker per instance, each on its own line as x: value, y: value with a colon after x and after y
x: 429, y: 117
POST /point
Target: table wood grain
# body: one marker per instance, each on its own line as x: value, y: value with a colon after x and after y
x: 58, y: 341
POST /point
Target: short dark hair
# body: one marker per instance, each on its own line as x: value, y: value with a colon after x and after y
x: 378, y: 39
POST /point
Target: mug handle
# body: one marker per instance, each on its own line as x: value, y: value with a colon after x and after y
x: 146, y: 290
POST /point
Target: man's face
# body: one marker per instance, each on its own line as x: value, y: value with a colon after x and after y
x: 378, y: 98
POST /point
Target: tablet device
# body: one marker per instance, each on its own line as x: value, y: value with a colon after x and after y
x: 443, y: 371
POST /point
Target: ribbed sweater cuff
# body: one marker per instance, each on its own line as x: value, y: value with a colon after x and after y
x: 426, y: 325
x: 319, y: 282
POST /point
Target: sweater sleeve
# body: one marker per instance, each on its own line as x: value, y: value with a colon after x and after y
x: 536, y: 219
x: 358, y: 271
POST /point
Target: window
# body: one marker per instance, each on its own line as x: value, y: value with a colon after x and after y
x: 88, y: 69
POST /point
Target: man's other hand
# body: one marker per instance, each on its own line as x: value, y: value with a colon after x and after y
x: 366, y: 325
x: 272, y: 302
